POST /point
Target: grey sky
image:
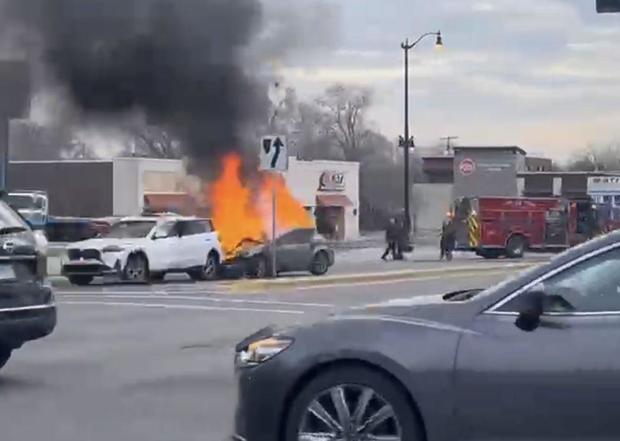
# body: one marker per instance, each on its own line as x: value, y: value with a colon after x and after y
x: 538, y: 73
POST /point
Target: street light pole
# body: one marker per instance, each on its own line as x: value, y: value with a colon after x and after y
x: 407, y: 141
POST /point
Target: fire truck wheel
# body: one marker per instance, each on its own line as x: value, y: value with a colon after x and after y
x: 515, y: 247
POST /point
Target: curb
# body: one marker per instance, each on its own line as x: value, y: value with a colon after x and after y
x: 262, y: 285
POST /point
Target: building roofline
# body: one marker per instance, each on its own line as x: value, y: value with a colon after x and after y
x: 490, y: 147
x: 567, y: 173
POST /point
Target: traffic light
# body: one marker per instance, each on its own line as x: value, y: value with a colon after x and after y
x: 603, y: 6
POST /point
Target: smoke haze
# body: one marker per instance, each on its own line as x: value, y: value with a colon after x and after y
x: 181, y: 63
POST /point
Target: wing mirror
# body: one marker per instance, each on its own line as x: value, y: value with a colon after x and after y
x: 531, y: 310
x: 535, y: 304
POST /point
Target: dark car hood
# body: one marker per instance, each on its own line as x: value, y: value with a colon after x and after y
x: 423, y: 309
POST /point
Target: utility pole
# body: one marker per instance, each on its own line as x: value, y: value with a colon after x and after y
x: 449, y: 140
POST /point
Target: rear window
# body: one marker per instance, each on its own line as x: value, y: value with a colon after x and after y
x: 196, y: 227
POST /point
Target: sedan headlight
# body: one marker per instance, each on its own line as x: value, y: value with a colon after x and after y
x: 262, y: 350
x: 113, y: 249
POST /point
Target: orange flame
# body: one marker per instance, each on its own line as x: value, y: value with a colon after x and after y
x: 243, y: 213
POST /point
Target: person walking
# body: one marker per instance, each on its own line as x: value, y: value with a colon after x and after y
x: 448, y: 237
x: 391, y: 237
x: 402, y: 239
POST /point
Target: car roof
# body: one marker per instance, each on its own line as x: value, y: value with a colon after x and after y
x: 556, y: 262
x: 161, y: 218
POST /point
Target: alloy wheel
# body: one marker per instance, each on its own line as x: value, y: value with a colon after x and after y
x: 349, y: 413
x: 209, y: 271
x: 136, y: 269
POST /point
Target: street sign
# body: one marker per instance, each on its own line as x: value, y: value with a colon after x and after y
x: 273, y: 153
x: 603, y: 6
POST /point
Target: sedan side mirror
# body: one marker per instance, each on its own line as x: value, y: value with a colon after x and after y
x: 535, y: 304
x: 531, y: 310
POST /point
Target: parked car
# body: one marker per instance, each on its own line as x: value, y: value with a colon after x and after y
x: 32, y: 205
x: 27, y: 307
x: 534, y: 357
x: 296, y: 250
x: 142, y: 249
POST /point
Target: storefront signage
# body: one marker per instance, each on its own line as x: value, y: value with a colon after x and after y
x: 604, y: 183
x: 332, y: 181
x: 467, y: 167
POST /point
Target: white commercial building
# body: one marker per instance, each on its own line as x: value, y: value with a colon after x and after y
x: 126, y: 186
x: 330, y: 191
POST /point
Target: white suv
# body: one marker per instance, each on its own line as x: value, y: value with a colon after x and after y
x: 143, y: 249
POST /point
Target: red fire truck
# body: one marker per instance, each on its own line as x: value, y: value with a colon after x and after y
x: 496, y: 226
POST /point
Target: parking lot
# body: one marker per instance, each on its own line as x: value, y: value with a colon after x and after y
x: 155, y: 362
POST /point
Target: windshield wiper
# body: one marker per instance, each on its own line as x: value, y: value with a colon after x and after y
x: 10, y: 230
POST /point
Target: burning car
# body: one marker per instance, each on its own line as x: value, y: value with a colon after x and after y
x: 296, y: 251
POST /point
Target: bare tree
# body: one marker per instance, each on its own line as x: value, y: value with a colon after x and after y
x: 155, y: 142
x: 597, y: 158
x: 345, y: 108
x: 30, y: 141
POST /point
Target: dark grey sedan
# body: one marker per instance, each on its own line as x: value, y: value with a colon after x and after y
x: 297, y: 251
x: 536, y: 357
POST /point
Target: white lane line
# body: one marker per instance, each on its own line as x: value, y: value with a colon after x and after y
x: 144, y: 292
x: 181, y: 307
x: 398, y: 281
x: 198, y: 298
x: 93, y: 292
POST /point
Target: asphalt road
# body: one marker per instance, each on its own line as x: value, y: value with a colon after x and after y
x: 140, y: 363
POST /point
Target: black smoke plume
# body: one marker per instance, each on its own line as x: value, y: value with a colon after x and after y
x: 180, y: 62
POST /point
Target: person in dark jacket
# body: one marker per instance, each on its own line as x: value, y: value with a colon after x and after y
x: 391, y: 237
x: 448, y: 238
x: 402, y: 239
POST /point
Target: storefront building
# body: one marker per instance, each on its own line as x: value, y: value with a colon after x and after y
x: 330, y: 191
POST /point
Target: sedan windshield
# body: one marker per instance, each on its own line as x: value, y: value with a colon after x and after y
x: 10, y: 221
x: 130, y: 230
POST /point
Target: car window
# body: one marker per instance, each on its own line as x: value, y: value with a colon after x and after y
x: 167, y: 229
x: 589, y: 286
x: 300, y: 236
x: 130, y: 229
x: 195, y: 227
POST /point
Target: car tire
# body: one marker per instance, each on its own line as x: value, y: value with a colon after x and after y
x: 80, y: 280
x: 356, y: 381
x: 210, y: 271
x: 5, y: 355
x: 136, y: 269
x: 320, y: 264
x: 515, y: 248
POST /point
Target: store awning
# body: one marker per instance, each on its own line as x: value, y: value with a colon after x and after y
x: 333, y: 200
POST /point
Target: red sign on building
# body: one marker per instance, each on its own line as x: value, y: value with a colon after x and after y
x: 467, y: 167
